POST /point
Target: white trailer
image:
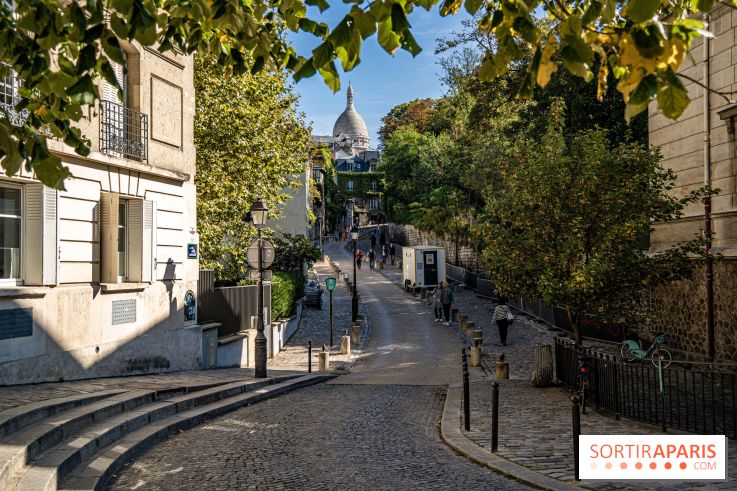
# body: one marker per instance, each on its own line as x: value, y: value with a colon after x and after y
x: 423, y: 266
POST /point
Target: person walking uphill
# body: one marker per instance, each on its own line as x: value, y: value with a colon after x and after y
x: 447, y: 301
x: 502, y: 315
x: 359, y: 258
x: 372, y: 256
x: 373, y: 240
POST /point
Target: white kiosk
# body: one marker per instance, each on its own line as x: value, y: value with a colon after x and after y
x: 423, y: 266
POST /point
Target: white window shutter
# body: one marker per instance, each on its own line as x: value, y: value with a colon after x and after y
x: 109, y: 237
x: 141, y: 240
x: 41, y: 235
x: 109, y: 92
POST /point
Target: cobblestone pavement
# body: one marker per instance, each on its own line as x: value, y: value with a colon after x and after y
x: 17, y: 395
x: 535, y: 423
x: 321, y: 437
x: 380, y: 434
x: 315, y: 326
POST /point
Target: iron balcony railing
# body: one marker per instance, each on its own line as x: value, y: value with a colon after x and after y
x: 123, y: 131
x: 9, y: 98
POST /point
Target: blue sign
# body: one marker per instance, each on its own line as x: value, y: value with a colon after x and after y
x: 191, y: 251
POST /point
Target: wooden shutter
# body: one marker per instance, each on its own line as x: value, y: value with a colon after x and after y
x: 141, y: 241
x: 109, y: 237
x: 41, y: 235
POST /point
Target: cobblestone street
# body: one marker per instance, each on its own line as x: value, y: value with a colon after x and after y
x: 375, y: 428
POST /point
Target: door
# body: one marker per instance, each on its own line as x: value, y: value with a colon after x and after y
x: 431, y: 268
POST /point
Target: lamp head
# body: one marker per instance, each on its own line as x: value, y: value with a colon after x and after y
x: 259, y: 213
x: 354, y: 233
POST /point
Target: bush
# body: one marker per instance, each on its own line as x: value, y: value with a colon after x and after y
x: 286, y: 288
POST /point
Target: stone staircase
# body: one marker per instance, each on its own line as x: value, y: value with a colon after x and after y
x: 79, y: 442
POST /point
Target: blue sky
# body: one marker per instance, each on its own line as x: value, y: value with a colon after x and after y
x: 381, y: 81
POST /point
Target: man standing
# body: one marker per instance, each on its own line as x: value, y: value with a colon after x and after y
x: 392, y: 251
x: 447, y: 302
x: 373, y: 240
x: 372, y: 256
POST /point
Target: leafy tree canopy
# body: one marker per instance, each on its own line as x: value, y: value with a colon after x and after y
x: 250, y: 140
x: 59, y: 48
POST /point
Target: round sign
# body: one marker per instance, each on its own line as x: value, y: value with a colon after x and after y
x: 267, y: 255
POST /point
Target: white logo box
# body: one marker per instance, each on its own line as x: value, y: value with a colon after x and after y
x: 653, y: 457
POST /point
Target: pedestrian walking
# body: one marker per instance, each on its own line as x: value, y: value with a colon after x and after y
x: 371, y: 256
x: 373, y: 240
x: 384, y: 254
x: 447, y: 302
x: 437, y: 297
x: 392, y: 252
x: 359, y: 258
x: 502, y: 315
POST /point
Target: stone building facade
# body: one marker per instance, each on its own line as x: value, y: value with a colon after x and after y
x: 701, y: 151
x: 100, y: 279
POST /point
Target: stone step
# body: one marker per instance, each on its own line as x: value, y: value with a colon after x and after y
x: 22, y: 447
x: 20, y: 417
x: 49, y: 468
x: 95, y: 472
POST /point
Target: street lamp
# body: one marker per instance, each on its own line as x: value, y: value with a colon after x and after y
x: 259, y: 212
x: 354, y: 302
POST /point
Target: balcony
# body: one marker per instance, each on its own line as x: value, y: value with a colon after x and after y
x: 9, y: 98
x: 123, y: 131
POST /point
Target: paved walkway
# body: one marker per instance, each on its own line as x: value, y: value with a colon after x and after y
x: 535, y: 423
x: 375, y: 428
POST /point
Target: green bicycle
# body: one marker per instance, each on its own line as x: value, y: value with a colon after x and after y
x: 632, y: 349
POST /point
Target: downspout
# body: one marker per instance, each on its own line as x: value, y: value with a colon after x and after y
x: 707, y: 199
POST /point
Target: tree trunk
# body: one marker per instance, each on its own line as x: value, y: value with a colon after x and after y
x: 575, y: 325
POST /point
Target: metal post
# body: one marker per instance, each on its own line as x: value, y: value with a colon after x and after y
x: 576, y: 420
x: 495, y: 417
x: 309, y: 356
x: 260, y: 343
x: 662, y: 392
x: 466, y: 394
x: 354, y: 300
x: 331, y: 318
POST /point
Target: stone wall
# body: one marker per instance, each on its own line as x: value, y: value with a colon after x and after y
x: 463, y: 255
x: 680, y: 310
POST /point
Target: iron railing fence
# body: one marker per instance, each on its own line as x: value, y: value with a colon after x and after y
x: 123, y: 131
x: 697, y: 401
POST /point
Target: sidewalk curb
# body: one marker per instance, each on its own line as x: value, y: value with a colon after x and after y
x: 452, y: 436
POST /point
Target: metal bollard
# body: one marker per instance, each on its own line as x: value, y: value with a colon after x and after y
x: 466, y: 394
x: 309, y: 356
x: 576, y: 417
x: 495, y: 416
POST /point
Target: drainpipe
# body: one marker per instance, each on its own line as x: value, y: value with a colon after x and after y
x: 707, y: 200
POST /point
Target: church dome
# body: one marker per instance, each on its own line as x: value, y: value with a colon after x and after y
x: 350, y: 122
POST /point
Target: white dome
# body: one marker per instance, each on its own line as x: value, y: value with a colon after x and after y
x: 350, y: 122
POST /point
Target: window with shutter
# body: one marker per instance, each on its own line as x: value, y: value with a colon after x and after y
x: 109, y: 221
x: 109, y: 92
x: 141, y: 240
x: 40, y: 245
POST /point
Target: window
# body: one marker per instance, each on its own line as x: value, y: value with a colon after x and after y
x: 349, y: 185
x: 374, y: 186
x: 374, y: 203
x: 10, y: 232
x: 122, y: 240
x: 9, y: 98
x: 127, y: 239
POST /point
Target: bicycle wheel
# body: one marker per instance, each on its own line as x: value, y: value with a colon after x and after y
x: 627, y: 352
x: 666, y: 357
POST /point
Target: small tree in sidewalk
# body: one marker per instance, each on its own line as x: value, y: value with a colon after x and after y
x: 568, y: 219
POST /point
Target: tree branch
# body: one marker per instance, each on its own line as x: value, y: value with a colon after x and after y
x: 723, y: 95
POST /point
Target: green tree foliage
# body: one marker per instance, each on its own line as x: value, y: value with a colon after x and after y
x: 250, y: 140
x: 292, y: 251
x: 566, y: 220
x: 417, y: 114
x: 60, y: 48
x: 286, y: 288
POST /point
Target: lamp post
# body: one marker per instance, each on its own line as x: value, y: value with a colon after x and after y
x: 259, y: 212
x: 354, y: 300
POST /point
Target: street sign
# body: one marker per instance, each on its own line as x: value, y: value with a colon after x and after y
x: 267, y: 258
x: 330, y: 283
x: 253, y: 275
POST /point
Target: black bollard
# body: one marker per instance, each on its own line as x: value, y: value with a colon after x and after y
x: 466, y: 394
x: 576, y: 417
x: 309, y: 356
x: 495, y: 417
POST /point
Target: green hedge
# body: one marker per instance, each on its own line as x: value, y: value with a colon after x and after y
x: 286, y: 288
